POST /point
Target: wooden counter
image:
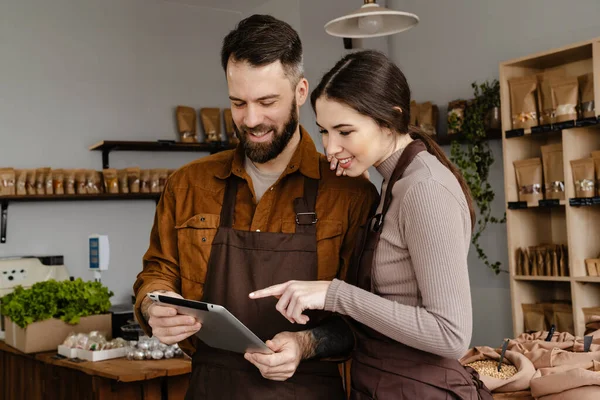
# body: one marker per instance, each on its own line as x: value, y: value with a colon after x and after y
x: 44, y: 376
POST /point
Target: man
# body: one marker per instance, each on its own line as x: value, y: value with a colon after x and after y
x: 267, y: 212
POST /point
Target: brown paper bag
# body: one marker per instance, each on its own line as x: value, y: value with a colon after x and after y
x: 529, y: 179
x: 428, y: 118
x: 547, y: 111
x: 519, y: 262
x: 31, y: 182
x: 40, y: 180
x: 586, y: 90
x: 523, y: 102
x: 70, y: 182
x: 414, y: 113
x: 519, y: 381
x: 229, y: 126
x: 565, y: 94
x: 58, y: 181
x: 154, y: 181
x: 145, y: 181
x: 211, y: 124
x: 584, y: 177
x: 21, y: 182
x: 7, y: 182
x: 133, y: 179
x: 80, y: 181
x: 534, y: 317
x: 525, y: 263
x: 554, y: 175
x: 111, y: 180
x: 562, y: 317
x: 186, y: 124
x: 123, y: 181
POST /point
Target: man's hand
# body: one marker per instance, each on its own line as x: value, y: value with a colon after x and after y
x: 168, y: 326
x: 289, y: 349
x: 295, y: 297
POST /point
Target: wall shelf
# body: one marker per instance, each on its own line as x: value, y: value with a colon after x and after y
x: 107, y: 146
x: 443, y: 140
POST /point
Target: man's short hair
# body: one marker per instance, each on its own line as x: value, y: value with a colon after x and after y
x: 261, y: 40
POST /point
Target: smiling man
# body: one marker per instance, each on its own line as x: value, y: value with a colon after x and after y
x: 269, y: 211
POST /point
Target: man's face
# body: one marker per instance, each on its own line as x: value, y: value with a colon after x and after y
x: 264, y: 107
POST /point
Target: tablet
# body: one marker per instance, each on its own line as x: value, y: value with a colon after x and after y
x: 220, y: 328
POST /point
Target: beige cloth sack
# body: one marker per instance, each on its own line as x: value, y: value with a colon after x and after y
x: 567, y: 382
x: 520, y: 381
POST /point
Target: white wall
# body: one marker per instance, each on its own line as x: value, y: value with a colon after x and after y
x: 461, y: 41
x: 75, y: 72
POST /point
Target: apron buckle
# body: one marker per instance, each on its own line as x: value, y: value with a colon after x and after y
x: 306, y: 218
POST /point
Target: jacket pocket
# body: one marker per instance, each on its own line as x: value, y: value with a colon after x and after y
x: 195, y: 237
x: 329, y: 244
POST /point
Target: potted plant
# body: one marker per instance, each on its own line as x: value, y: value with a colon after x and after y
x: 474, y: 158
x: 39, y: 318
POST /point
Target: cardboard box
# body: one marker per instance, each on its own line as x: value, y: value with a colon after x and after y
x: 47, y: 335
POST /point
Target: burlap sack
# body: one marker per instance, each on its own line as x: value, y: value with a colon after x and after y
x: 567, y: 382
x: 520, y: 381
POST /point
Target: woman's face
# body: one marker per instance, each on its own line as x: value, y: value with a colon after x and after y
x: 355, y: 140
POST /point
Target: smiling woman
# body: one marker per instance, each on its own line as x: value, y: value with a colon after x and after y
x: 407, y: 290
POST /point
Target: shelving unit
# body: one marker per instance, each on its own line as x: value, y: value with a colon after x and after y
x: 570, y: 222
x: 106, y: 147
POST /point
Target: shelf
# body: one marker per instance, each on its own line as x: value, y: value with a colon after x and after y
x: 5, y: 200
x: 519, y: 205
x: 587, y: 279
x: 549, y: 129
x: 542, y: 278
x: 106, y: 146
x: 584, y: 202
x: 443, y: 140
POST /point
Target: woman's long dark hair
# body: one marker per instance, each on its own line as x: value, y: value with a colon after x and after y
x: 374, y: 86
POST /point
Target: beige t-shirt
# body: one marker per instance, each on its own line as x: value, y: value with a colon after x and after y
x: 260, y: 181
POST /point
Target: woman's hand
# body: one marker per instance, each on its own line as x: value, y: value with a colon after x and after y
x: 295, y: 297
x: 339, y: 171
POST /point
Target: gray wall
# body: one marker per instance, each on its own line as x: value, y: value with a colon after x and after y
x: 461, y: 41
x: 75, y: 72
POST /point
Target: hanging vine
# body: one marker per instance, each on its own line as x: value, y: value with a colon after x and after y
x: 474, y: 158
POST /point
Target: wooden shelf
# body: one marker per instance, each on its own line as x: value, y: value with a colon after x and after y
x: 443, y: 140
x: 79, y: 197
x: 587, y: 279
x: 577, y: 227
x: 106, y: 146
x: 542, y: 278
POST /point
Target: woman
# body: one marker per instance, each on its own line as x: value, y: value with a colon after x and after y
x: 407, y: 289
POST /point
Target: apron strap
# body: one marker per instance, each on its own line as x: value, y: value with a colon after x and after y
x: 408, y: 155
x: 228, y: 208
x: 304, y: 207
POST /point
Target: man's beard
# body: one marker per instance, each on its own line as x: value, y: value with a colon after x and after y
x: 261, y: 153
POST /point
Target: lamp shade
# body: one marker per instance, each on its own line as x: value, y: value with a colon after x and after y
x: 371, y: 20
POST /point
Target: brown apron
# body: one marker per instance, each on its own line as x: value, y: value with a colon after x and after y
x: 242, y: 262
x: 383, y: 368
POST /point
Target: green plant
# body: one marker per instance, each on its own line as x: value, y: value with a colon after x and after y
x: 66, y: 300
x: 474, y: 158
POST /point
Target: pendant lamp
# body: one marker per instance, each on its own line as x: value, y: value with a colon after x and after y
x: 371, y: 20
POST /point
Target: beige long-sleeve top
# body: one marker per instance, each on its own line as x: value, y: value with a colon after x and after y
x: 420, y: 277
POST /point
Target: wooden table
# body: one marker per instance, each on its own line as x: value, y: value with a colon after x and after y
x: 43, y: 376
x: 522, y: 395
